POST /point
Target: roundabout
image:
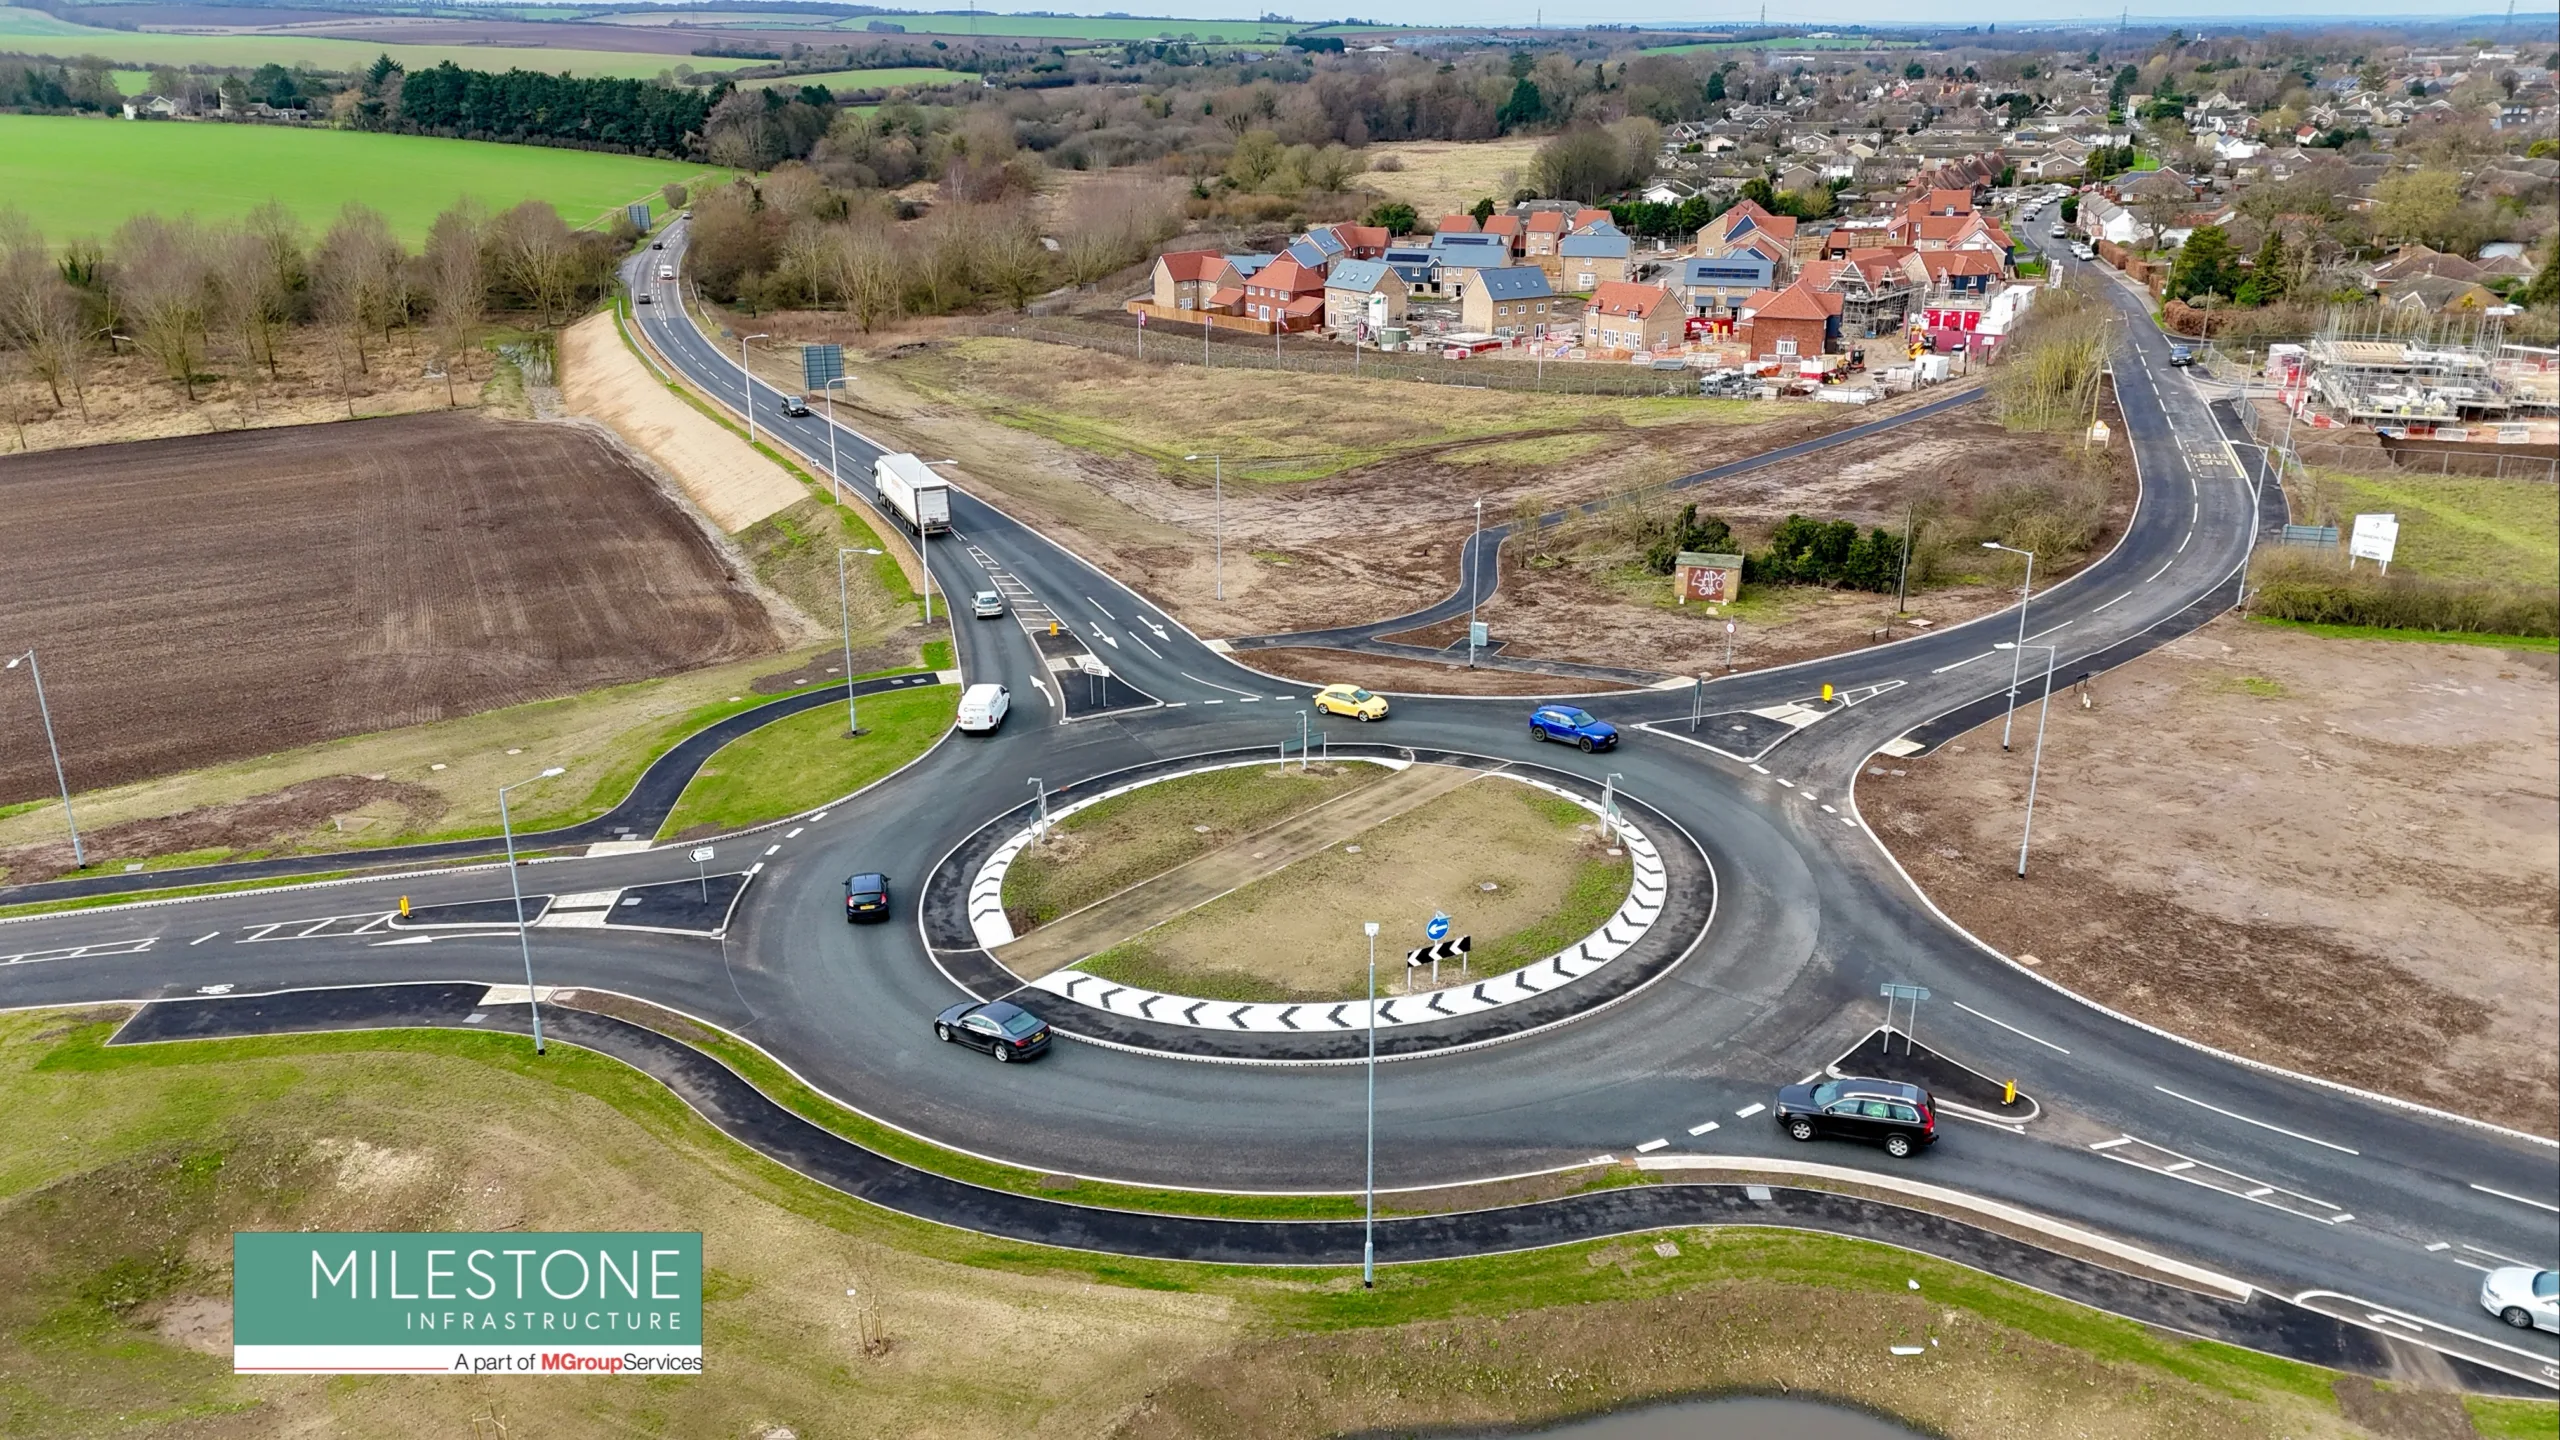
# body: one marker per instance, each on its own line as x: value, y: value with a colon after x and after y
x: 1667, y: 904
x: 1623, y: 1066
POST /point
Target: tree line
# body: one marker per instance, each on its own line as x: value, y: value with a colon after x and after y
x: 635, y: 116
x: 184, y: 292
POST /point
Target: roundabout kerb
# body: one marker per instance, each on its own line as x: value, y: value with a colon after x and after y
x: 1670, y: 903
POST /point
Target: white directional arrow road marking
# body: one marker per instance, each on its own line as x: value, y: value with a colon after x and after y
x: 1104, y: 636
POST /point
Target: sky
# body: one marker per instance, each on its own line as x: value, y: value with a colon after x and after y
x: 2532, y: 17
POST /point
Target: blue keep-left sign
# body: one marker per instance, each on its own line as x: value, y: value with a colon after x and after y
x: 1438, y: 929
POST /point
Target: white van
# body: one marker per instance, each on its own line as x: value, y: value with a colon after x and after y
x: 983, y: 708
x: 666, y: 272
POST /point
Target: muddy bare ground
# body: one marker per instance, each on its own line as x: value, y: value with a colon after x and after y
x: 222, y: 596
x: 2338, y: 856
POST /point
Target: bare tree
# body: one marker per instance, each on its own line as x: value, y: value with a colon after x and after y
x: 286, y: 276
x: 869, y: 271
x: 163, y: 287
x: 1009, y: 256
x: 538, y: 257
x: 359, y: 273
x: 457, y: 285
x: 39, y: 312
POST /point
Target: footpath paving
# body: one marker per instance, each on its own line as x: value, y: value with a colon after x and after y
x: 1098, y: 926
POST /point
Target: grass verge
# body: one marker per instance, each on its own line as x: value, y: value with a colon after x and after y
x: 808, y: 760
x: 2547, y: 644
x: 124, y: 1171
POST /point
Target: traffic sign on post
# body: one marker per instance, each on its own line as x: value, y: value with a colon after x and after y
x: 1438, y: 929
x: 1910, y: 995
x: 701, y: 858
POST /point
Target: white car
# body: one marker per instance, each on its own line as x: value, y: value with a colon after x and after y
x: 2527, y: 1298
x: 983, y: 707
x: 987, y: 605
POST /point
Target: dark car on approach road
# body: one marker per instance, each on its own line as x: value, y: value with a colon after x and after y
x: 1901, y: 1117
x: 795, y: 407
x: 1001, y: 1028
x: 1572, y: 726
x: 866, y: 897
x: 2182, y: 355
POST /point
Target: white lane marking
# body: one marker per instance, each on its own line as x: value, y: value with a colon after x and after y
x: 1103, y: 635
x: 1845, y: 820
x: 2182, y: 544
x: 1747, y: 1111
x: 1096, y: 604
x: 1212, y: 684
x: 2261, y: 1124
x: 1783, y: 780
x: 403, y: 940
x: 2065, y: 625
x: 2519, y: 1199
x: 1143, y: 645
x: 2012, y: 1029
x: 756, y: 869
x: 1703, y: 1129
x: 1985, y: 1120
x: 2439, y: 1245
x: 2125, y: 596
x: 1601, y: 1160
x: 1213, y: 702
x: 1827, y: 810
x: 2195, y: 513
x: 1245, y: 700
x: 1650, y: 1146
x: 2111, y: 1144
x: 2474, y: 1264
x: 2181, y: 1165
x: 2494, y: 1255
x: 209, y: 934
x: 821, y: 815
x: 1175, y: 704
x: 2163, y: 570
x: 794, y: 832
x: 1759, y: 769
x: 772, y: 850
x: 1943, y: 669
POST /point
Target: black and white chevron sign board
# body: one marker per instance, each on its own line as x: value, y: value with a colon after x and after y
x: 1444, y: 950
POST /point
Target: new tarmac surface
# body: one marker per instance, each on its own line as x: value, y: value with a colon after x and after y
x: 2379, y: 1213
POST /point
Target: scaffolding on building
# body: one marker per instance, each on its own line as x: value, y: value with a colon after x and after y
x: 2441, y: 370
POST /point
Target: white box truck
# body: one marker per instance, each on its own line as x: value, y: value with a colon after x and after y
x: 920, y: 497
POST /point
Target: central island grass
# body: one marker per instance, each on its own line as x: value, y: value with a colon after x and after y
x: 1106, y: 848
x: 807, y: 760
x: 1552, y: 881
x: 124, y: 1172
x: 80, y: 176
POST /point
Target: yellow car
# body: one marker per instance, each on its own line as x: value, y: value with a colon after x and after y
x: 1351, y: 700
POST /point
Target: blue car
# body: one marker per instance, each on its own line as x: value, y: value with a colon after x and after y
x: 1575, y: 727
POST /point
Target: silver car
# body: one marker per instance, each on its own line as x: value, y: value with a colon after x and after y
x: 2527, y: 1298
x: 987, y: 605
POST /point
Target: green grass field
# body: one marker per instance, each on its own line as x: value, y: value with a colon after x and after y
x: 2458, y: 527
x: 886, y: 79
x: 1085, y: 27
x: 37, y: 33
x: 806, y: 761
x: 84, y: 176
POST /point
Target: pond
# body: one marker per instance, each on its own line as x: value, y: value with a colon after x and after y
x: 1739, y: 1418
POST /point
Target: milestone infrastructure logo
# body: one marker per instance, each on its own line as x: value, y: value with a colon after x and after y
x: 511, y: 1303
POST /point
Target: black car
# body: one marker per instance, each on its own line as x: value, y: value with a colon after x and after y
x: 657, y: 244
x: 866, y: 897
x: 1901, y: 1117
x: 1001, y: 1028
x: 794, y: 406
x: 2181, y: 355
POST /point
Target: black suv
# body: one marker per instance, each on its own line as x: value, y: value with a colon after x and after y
x: 1902, y: 1117
x: 866, y: 897
x: 795, y: 407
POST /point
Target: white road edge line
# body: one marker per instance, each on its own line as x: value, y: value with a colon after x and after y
x: 2494, y: 1255
x: 2261, y: 1124
x: 2519, y: 1199
x: 2156, y: 574
x: 1096, y: 604
x: 2012, y: 1029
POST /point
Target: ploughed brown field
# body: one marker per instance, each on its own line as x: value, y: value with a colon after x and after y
x: 223, y: 596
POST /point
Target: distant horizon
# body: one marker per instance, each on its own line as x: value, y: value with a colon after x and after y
x: 2023, y: 15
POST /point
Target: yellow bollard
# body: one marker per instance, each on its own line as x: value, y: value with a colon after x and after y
x: 404, y: 905
x: 1826, y: 694
x: 1053, y: 627
x: 2009, y: 1093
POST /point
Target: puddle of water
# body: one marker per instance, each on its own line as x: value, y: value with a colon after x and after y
x: 1739, y: 1418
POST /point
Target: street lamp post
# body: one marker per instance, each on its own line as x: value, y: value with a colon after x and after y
x: 1369, y: 1185
x: 524, y: 937
x: 2024, y: 591
x: 1217, y: 517
x: 2257, y: 493
x: 2035, y: 772
x: 1041, y: 833
x: 747, y: 385
x: 844, y: 614
x: 834, y: 478
x: 79, y: 860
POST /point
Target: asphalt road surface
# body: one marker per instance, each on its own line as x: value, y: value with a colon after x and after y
x: 2379, y: 1212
